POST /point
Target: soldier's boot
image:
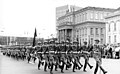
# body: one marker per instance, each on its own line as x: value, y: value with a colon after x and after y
x: 51, y: 72
x: 104, y: 72
x: 62, y: 71
x: 81, y: 64
x: 90, y: 66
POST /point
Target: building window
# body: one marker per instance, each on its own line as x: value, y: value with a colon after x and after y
x: 83, y: 17
x: 114, y: 38
x: 76, y: 19
x: 109, y: 28
x: 91, y: 16
x: 80, y: 18
x: 91, y: 31
x: 114, y: 26
x: 96, y: 16
x: 83, y: 32
x: 101, y: 31
x: 96, y: 31
x: 109, y: 39
x: 91, y: 40
x: 101, y: 16
x: 101, y: 41
x: 80, y: 32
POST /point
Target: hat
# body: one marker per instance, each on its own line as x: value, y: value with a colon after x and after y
x: 75, y: 42
x: 85, y: 42
x: 97, y: 40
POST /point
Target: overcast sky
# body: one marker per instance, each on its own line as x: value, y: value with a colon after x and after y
x: 20, y: 17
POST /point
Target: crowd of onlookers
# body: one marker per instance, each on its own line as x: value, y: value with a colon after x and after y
x: 111, y: 51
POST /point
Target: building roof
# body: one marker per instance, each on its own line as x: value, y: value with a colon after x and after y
x: 116, y: 13
x: 88, y: 8
x: 95, y: 8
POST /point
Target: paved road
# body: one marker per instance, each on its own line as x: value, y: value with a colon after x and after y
x: 11, y: 66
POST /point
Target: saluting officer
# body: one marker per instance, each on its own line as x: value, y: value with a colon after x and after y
x: 86, y: 56
x: 97, y: 56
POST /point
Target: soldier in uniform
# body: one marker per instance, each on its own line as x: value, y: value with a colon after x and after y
x: 40, y: 56
x: 97, y: 56
x: 86, y: 56
x: 46, y: 49
x: 56, y: 50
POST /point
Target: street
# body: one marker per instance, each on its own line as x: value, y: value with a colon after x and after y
x: 11, y: 66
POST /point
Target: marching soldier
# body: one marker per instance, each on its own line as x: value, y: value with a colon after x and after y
x: 57, y: 50
x: 46, y: 49
x: 97, y: 56
x: 40, y: 56
x: 86, y: 56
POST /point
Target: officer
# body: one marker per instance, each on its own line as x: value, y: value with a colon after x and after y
x: 97, y: 56
x: 86, y: 56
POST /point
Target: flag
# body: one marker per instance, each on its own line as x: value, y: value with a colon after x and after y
x: 35, y: 34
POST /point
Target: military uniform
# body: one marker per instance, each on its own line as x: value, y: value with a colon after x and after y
x: 97, y: 56
x: 86, y: 56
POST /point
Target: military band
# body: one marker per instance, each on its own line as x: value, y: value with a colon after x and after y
x: 54, y: 55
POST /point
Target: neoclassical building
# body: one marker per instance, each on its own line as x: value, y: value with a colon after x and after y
x: 86, y: 24
x: 113, y: 27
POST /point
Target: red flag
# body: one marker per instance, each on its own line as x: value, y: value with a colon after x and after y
x: 35, y: 35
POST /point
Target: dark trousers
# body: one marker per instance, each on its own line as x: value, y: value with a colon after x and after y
x: 85, y: 65
x: 74, y: 66
x: 51, y: 67
x: 29, y: 59
x: 45, y: 66
x: 96, y: 69
x: 56, y: 64
x: 34, y: 59
x: 61, y: 67
x: 39, y: 63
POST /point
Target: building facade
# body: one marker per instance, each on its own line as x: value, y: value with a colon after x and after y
x: 113, y: 27
x: 11, y: 40
x: 63, y: 10
x: 86, y: 24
